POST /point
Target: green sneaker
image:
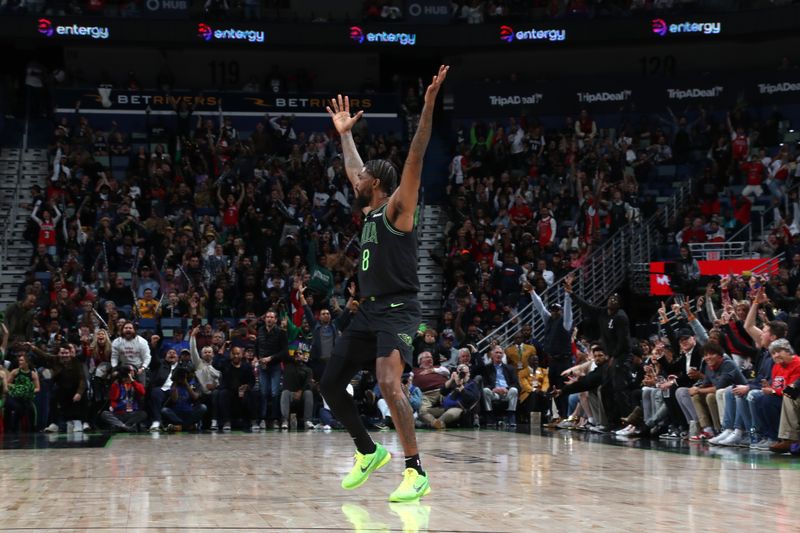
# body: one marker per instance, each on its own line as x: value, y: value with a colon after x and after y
x: 364, y: 465
x: 413, y: 487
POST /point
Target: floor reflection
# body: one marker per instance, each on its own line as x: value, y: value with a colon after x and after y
x: 414, y: 517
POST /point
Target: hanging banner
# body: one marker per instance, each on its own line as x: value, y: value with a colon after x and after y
x: 570, y: 95
x: 113, y: 101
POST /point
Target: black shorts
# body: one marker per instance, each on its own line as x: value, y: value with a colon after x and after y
x: 381, y: 325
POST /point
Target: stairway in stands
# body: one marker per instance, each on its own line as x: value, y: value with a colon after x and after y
x: 431, y: 238
x: 19, y: 170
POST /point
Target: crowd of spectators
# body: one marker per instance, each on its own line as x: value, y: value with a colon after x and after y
x: 482, y: 11
x: 460, y: 11
x: 531, y: 203
x: 238, y: 9
x: 202, y: 228
x: 205, y: 285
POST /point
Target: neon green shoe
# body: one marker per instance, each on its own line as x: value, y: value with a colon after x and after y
x: 413, y: 487
x: 364, y: 465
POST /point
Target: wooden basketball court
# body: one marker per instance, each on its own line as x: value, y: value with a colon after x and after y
x: 483, y: 481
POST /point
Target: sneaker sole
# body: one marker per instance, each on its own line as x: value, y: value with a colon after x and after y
x: 414, y: 499
x: 365, y: 478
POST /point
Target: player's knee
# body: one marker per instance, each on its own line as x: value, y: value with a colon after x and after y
x: 389, y: 386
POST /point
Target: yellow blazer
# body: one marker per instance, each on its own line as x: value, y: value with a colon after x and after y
x: 527, y: 379
x: 519, y: 360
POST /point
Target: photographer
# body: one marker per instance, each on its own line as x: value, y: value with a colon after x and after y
x: 126, y: 397
x: 459, y: 394
x: 183, y: 405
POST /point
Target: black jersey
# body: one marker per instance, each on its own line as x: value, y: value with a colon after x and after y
x: 388, y: 263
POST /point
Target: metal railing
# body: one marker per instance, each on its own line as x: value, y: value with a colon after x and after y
x: 764, y: 224
x: 649, y: 235
x: 747, y: 230
x: 713, y: 251
x: 12, y: 212
x: 602, y: 272
x: 769, y: 263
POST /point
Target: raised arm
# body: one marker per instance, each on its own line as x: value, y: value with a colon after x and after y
x: 567, y: 311
x: 537, y: 301
x: 750, y: 321
x: 34, y: 217
x: 403, y: 202
x: 339, y: 111
x: 196, y: 360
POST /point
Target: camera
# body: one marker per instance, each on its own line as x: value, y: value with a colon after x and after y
x: 462, y: 375
x: 404, y: 380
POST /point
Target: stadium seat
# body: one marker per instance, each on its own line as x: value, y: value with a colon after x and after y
x: 174, y: 323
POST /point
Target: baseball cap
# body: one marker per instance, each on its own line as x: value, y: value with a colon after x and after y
x: 685, y: 332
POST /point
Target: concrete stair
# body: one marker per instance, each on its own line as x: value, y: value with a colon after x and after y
x: 19, y: 170
x: 431, y: 238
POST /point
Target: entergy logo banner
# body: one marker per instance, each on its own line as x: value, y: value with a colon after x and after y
x: 207, y: 33
x: 47, y: 28
x: 358, y: 35
x: 508, y: 34
x: 661, y: 27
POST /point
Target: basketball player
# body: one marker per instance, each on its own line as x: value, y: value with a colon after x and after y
x: 387, y: 320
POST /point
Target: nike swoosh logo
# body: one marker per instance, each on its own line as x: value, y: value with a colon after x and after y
x: 418, y: 489
x: 394, y: 305
x: 376, y: 215
x: 365, y: 468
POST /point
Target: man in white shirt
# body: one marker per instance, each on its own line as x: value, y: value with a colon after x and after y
x: 131, y: 349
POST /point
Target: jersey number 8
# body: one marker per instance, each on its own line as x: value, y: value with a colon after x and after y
x: 365, y: 260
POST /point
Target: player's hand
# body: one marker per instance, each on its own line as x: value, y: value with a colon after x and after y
x: 339, y: 111
x: 436, y: 83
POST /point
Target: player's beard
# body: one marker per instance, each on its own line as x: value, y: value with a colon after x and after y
x: 360, y: 202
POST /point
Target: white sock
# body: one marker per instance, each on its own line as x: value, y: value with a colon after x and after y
x: 591, y: 420
x: 738, y: 432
